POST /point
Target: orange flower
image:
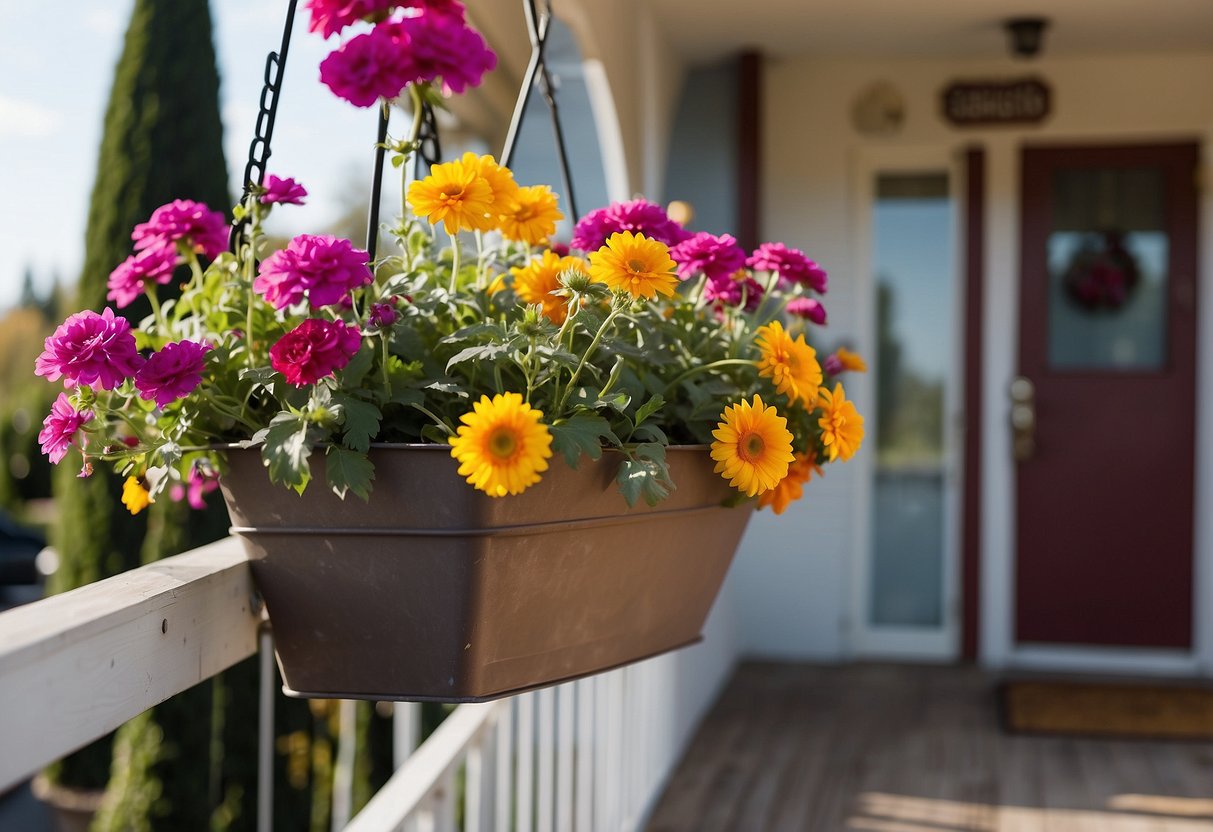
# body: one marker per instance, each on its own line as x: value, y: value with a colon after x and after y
x: 852, y: 361
x: 635, y: 264
x: 841, y: 424
x: 535, y: 282
x: 532, y: 216
x: 791, y: 487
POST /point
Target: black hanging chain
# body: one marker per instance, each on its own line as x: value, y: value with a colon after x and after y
x: 429, y: 149
x: 259, y: 148
x: 537, y: 24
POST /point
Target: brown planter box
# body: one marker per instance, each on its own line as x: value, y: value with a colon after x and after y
x: 434, y: 591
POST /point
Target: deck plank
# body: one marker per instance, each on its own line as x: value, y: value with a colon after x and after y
x: 915, y: 749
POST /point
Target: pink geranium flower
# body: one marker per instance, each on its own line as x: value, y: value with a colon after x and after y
x: 195, y: 490
x: 371, y: 66
x: 725, y: 291
x: 172, y: 372
x: 638, y: 216
x: 382, y: 315
x: 59, y: 428
x: 185, y: 221
x: 331, y: 16
x: 704, y: 253
x: 443, y: 46
x: 131, y: 278
x: 284, y: 190
x: 314, y: 349
x: 791, y: 264
x: 322, y: 267
x: 90, y: 349
x: 809, y: 309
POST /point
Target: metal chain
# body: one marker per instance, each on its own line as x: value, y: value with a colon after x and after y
x: 259, y: 148
x: 429, y: 150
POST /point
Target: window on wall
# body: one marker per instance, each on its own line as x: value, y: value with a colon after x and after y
x: 915, y: 278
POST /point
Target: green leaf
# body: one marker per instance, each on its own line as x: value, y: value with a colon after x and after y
x: 286, y: 450
x: 484, y: 352
x: 361, y: 422
x: 407, y: 396
x: 348, y: 471
x: 649, y: 408
x: 359, y: 365
x: 581, y: 433
x: 645, y: 474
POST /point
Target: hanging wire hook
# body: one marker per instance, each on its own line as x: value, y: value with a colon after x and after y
x: 537, y: 23
x: 259, y: 148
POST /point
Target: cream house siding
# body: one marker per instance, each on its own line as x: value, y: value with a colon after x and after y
x: 792, y: 581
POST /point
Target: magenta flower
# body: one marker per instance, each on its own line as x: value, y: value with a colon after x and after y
x: 808, y: 309
x: 172, y: 373
x: 704, y: 253
x: 832, y: 365
x: 323, y: 267
x: 331, y: 16
x: 131, y: 278
x: 183, y: 220
x: 284, y: 190
x: 725, y: 291
x: 443, y: 46
x: 314, y: 349
x: 638, y: 216
x: 197, y: 486
x: 370, y: 66
x: 790, y: 263
x: 59, y: 428
x: 89, y: 348
x: 382, y: 315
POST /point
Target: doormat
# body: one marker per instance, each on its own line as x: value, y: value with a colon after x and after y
x: 1148, y: 712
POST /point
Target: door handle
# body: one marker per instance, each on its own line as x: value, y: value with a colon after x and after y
x: 1023, y: 418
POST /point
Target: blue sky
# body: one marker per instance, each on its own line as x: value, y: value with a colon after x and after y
x: 54, y: 85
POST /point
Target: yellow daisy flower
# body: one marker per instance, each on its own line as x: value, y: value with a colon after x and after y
x: 135, y: 496
x: 841, y: 424
x: 502, y: 445
x: 635, y: 264
x: 791, y: 487
x: 500, y: 179
x: 852, y: 361
x: 753, y: 447
x: 535, y: 282
x: 456, y: 195
x: 532, y: 217
x: 791, y: 364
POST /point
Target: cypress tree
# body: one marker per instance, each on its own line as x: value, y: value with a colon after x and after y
x: 162, y: 140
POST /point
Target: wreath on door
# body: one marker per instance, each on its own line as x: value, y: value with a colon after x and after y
x: 1102, y: 274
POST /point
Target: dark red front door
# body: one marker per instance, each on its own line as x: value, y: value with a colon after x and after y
x: 1104, y: 425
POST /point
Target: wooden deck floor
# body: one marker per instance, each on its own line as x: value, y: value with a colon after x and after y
x: 915, y: 749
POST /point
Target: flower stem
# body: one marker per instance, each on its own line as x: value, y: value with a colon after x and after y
x: 161, y: 324
x: 616, y: 309
x: 441, y: 424
x: 454, y: 260
x: 387, y: 380
x: 724, y: 362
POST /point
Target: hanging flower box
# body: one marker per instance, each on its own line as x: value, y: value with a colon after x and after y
x: 482, y: 461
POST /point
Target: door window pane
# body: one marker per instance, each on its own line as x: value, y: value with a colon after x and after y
x: 915, y: 279
x: 1107, y: 255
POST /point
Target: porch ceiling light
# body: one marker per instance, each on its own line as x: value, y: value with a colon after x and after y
x: 1027, y: 35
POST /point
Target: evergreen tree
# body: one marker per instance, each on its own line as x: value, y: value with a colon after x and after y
x: 162, y: 141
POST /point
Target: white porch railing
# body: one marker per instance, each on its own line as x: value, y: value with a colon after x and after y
x: 587, y: 756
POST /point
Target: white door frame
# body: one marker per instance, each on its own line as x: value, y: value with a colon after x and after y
x: 865, y: 641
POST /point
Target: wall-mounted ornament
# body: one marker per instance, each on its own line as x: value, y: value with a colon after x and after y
x: 879, y: 110
x: 985, y: 103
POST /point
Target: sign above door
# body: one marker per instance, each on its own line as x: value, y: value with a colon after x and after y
x: 985, y: 103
